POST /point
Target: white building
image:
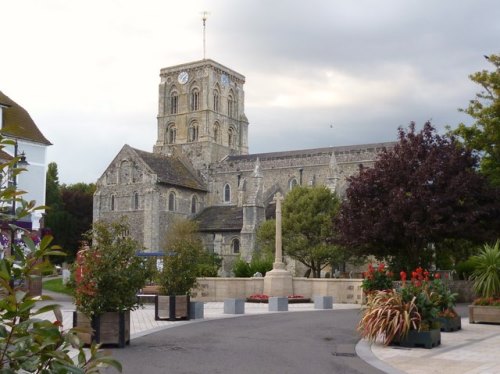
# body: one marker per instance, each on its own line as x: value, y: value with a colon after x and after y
x: 17, y: 124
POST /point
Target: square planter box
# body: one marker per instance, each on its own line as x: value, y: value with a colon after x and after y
x: 110, y: 328
x: 486, y: 314
x: 171, y: 308
x: 420, y: 339
x: 323, y: 302
x: 234, y: 306
x: 450, y: 324
x: 278, y: 304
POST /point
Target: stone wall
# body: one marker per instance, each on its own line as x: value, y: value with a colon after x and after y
x: 218, y: 289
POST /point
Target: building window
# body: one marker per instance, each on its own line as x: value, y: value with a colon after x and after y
x: 292, y: 184
x: 174, y: 102
x: 171, y: 134
x: 136, y: 201
x: 216, y: 100
x: 235, y: 245
x: 227, y: 193
x: 112, y: 203
x: 230, y: 137
x: 195, y: 99
x: 194, y: 204
x: 171, y: 202
x: 193, y: 133
x: 216, y: 132
x: 230, y: 106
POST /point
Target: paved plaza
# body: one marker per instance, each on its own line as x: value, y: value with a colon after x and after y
x: 473, y: 350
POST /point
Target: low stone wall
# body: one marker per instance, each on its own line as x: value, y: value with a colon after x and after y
x: 464, y: 290
x: 218, y: 289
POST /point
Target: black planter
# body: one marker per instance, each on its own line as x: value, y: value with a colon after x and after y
x: 110, y: 328
x: 419, y: 339
x: 450, y: 324
x: 171, y: 308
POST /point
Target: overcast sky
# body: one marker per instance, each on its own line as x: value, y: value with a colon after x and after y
x: 318, y: 73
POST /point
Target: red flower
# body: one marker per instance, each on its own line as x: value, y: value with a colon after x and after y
x: 403, y: 276
x: 437, y: 275
x: 381, y: 267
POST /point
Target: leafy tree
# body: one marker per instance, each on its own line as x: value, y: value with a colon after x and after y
x: 52, y: 191
x: 424, y: 190
x: 307, y: 229
x: 484, y: 135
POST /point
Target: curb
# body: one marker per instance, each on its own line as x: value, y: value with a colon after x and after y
x: 364, y: 352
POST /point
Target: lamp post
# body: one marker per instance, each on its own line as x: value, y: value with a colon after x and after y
x: 20, y: 161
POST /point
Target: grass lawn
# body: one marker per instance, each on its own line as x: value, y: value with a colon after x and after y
x: 56, y: 285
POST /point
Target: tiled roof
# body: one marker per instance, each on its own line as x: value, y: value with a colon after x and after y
x: 170, y: 170
x: 220, y: 218
x: 313, y: 151
x: 18, y: 123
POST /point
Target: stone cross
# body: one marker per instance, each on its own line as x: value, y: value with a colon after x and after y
x: 278, y: 246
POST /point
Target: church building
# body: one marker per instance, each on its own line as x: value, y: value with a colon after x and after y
x: 200, y: 167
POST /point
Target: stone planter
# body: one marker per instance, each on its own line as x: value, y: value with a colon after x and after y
x: 420, y: 339
x: 171, y: 308
x: 450, y: 324
x: 110, y: 328
x: 483, y: 313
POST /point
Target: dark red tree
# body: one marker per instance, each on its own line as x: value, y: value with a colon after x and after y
x: 424, y: 190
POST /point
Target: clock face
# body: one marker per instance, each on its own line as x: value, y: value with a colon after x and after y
x: 224, y: 79
x: 183, y: 77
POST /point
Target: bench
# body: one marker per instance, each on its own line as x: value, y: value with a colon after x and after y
x: 148, y: 294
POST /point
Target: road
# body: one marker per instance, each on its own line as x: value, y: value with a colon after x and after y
x: 284, y: 343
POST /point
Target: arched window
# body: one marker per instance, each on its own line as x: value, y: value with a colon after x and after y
x: 230, y: 137
x: 216, y: 100
x: 194, y: 204
x: 292, y: 183
x: 216, y: 132
x: 112, y: 203
x: 171, y: 202
x: 230, y: 106
x: 193, y: 132
x: 136, y: 201
x: 174, y: 102
x: 195, y: 99
x: 235, y: 245
x: 171, y: 134
x: 227, y: 193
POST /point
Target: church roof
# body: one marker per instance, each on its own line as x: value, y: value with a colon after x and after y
x: 170, y: 170
x: 17, y: 122
x: 313, y: 151
x: 220, y: 218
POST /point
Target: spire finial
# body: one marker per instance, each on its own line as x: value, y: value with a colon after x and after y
x: 204, y: 15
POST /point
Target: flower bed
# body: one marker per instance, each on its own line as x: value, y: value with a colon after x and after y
x: 292, y: 299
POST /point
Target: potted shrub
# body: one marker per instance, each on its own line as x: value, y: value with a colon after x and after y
x: 445, y: 300
x: 486, y: 278
x: 184, y: 256
x: 108, y: 277
x: 377, y: 279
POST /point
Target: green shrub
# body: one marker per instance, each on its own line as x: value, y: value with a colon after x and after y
x: 464, y: 269
x: 241, y: 269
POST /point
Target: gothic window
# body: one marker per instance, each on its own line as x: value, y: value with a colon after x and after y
x: 216, y: 132
x: 292, y: 184
x: 230, y: 137
x: 216, y: 100
x: 174, y: 102
x: 194, y: 204
x: 171, y: 202
x: 195, y: 99
x: 193, y: 132
x: 227, y: 193
x: 112, y: 203
x: 171, y: 134
x: 235, y: 245
x: 230, y: 106
x: 136, y: 201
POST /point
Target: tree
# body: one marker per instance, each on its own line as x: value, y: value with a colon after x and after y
x: 307, y: 230
x: 423, y: 191
x: 52, y: 190
x: 484, y: 135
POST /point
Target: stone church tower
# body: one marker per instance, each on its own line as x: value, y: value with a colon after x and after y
x: 201, y: 113
x: 200, y: 167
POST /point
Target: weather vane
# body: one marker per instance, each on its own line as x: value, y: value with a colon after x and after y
x: 204, y: 18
